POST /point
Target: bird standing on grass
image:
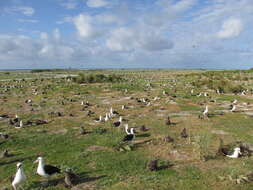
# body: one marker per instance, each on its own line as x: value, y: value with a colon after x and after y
x: 19, y: 178
x: 130, y: 136
x: 205, y: 112
x: 46, y: 170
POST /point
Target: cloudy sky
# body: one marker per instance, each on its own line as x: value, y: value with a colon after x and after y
x: 216, y: 34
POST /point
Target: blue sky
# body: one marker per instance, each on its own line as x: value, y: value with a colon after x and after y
x: 214, y: 34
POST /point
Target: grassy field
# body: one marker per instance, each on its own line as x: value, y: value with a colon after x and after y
x: 99, y: 157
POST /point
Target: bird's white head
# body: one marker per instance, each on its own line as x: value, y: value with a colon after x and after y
x: 39, y: 159
x: 19, y: 165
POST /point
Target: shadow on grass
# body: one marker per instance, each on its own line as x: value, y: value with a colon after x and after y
x: 143, y: 135
x: 82, y: 178
x: 16, y: 160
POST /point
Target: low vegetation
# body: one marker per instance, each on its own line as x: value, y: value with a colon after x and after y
x: 183, y: 153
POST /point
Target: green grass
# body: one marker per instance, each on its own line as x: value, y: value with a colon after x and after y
x: 96, y: 156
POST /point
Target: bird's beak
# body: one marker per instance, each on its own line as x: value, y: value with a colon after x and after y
x: 36, y: 161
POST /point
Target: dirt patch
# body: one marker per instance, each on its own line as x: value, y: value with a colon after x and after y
x: 86, y: 186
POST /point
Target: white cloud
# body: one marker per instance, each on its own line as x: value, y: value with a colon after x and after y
x: 96, y: 3
x: 122, y: 39
x: 83, y: 25
x: 28, y: 20
x: 156, y: 44
x: 56, y: 34
x: 230, y: 28
x: 43, y: 36
x: 69, y: 4
x: 27, y: 11
x: 65, y: 19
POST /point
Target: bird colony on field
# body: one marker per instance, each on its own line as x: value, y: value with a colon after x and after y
x: 126, y: 129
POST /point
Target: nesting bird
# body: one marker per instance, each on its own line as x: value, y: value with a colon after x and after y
x: 20, y: 125
x: 184, y: 133
x: 82, y: 130
x: 5, y: 154
x: 143, y: 128
x: 130, y: 135
x: 236, y: 154
x: 70, y: 179
x: 233, y: 107
x: 98, y: 119
x: 4, y: 136
x: 168, y: 122
x: 118, y: 123
x: 153, y: 165
x: 19, y: 178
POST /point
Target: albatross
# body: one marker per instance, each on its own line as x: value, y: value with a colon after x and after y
x: 118, y: 123
x: 236, y: 154
x: 19, y: 178
x: 46, y: 170
x: 130, y: 136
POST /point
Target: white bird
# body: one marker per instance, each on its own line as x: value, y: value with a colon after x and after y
x: 106, y: 117
x: 123, y: 107
x: 20, y: 125
x: 82, y: 103
x: 46, y: 170
x: 205, y: 112
x: 233, y: 108
x: 235, y: 101
x: 19, y: 178
x: 16, y: 116
x: 156, y: 98
x: 243, y: 93
x: 130, y: 136
x: 118, y: 123
x: 111, y: 111
x: 99, y: 120
x: 237, y: 152
x: 126, y: 129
